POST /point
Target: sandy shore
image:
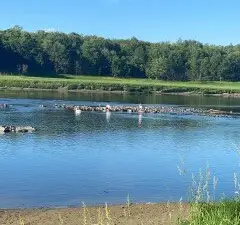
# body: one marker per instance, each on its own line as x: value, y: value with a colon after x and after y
x: 142, y: 214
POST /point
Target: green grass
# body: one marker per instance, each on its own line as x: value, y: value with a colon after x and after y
x: 204, y: 209
x: 118, y: 84
x: 215, y: 213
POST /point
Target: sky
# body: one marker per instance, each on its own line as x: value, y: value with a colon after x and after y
x: 207, y: 21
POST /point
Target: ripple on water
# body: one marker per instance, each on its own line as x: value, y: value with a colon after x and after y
x: 95, y: 158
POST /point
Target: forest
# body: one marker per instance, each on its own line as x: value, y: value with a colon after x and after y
x: 44, y: 53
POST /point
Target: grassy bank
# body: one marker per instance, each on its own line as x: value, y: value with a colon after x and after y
x: 117, y: 84
x: 214, y: 213
x: 204, y: 209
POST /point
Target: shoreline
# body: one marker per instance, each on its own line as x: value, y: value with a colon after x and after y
x: 65, y: 90
x: 103, y: 84
x: 148, y: 213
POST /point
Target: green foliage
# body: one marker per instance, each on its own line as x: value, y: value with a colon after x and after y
x: 118, y: 84
x: 53, y: 53
x: 214, y: 213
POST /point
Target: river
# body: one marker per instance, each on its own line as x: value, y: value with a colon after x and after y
x: 96, y: 157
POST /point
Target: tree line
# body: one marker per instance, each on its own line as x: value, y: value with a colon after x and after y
x: 53, y: 53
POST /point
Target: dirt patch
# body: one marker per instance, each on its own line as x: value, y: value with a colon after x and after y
x: 137, y: 214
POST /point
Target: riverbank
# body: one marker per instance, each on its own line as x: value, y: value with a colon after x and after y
x: 121, y: 85
x: 158, y: 214
x: 223, y: 212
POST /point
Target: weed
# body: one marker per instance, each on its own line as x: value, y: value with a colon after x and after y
x: 21, y: 221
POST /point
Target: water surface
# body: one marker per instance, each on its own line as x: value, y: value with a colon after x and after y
x: 98, y: 157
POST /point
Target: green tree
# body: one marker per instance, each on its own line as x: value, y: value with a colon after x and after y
x: 231, y: 67
x: 158, y: 68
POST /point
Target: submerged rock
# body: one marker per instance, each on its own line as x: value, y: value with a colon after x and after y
x: 20, y: 129
x: 4, y: 106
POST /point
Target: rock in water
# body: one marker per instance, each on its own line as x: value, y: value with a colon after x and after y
x: 22, y: 129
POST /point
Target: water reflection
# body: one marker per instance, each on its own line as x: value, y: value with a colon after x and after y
x: 140, y: 120
x: 108, y: 151
x: 108, y: 115
x: 195, y: 101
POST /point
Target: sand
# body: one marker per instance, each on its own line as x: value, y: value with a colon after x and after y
x: 142, y: 214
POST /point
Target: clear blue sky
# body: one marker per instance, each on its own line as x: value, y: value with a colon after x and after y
x: 208, y: 21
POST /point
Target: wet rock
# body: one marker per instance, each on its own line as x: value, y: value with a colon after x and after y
x: 20, y: 129
x: 153, y: 109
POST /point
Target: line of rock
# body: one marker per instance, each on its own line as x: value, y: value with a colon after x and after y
x: 136, y: 109
x: 154, y: 109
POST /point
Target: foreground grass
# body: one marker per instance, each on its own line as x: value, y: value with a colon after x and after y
x: 215, y: 213
x: 69, y: 82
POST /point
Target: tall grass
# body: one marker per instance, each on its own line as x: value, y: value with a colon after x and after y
x: 117, y: 84
x: 205, y: 210
x: 225, y: 212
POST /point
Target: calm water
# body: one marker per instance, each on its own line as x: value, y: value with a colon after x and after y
x: 99, y: 157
